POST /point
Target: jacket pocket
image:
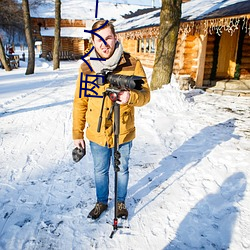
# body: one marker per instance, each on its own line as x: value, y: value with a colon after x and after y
x: 127, y: 120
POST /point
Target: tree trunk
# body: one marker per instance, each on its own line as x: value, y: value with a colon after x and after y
x: 29, y: 38
x: 56, y: 59
x: 168, y: 34
x: 3, y: 57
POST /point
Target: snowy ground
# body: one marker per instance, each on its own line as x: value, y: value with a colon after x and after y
x: 189, y: 170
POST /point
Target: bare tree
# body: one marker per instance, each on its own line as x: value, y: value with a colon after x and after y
x: 3, y: 57
x: 56, y: 59
x: 168, y: 34
x: 11, y: 16
x: 11, y: 24
x: 36, y: 3
x: 28, y: 33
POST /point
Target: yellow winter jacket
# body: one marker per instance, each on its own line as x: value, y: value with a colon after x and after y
x: 87, y: 109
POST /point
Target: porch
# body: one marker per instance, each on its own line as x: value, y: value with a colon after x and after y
x: 231, y: 87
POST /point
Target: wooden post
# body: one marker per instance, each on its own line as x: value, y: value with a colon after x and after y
x: 149, y: 45
x: 201, y: 60
x: 140, y: 40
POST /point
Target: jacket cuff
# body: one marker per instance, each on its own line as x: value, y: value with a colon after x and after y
x: 77, y: 135
x: 132, y: 98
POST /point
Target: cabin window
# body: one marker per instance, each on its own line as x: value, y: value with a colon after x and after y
x: 139, y: 46
x: 152, y: 45
x: 146, y: 45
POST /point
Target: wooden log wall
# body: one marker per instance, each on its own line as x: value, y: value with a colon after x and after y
x: 190, y: 56
x: 186, y: 55
x: 178, y: 61
x: 209, y: 57
x: 131, y: 46
x: 146, y: 59
x: 209, y: 75
x: 245, y: 60
x: 66, y: 44
x: 73, y: 45
x: 79, y: 47
x: 47, y: 45
x: 50, y: 22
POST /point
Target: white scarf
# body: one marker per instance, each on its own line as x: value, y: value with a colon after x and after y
x: 109, y: 64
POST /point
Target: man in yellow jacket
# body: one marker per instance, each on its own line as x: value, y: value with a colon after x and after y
x: 108, y: 54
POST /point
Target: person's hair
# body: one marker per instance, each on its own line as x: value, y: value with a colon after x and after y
x: 99, y: 23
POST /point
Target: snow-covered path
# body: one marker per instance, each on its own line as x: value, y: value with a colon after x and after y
x: 189, y: 171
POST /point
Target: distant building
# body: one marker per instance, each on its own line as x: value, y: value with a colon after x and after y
x: 74, y: 41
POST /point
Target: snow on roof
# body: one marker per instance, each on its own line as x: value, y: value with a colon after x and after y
x: 192, y: 10
x: 145, y: 20
x: 197, y: 9
x: 67, y: 32
x: 85, y: 10
x: 38, y: 42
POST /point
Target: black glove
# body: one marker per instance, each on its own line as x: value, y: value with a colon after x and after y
x: 78, y: 153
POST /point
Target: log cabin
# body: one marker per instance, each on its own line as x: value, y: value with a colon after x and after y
x: 74, y: 41
x: 77, y: 16
x: 213, y: 41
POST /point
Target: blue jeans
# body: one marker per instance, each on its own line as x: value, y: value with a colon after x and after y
x: 102, y: 158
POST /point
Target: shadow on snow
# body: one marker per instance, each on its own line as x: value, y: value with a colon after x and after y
x: 210, y: 223
x: 23, y: 110
x: 190, y: 153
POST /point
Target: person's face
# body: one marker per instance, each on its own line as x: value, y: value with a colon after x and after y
x: 105, y: 51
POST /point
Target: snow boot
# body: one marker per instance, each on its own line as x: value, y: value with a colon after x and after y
x: 97, y: 210
x: 122, y: 211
